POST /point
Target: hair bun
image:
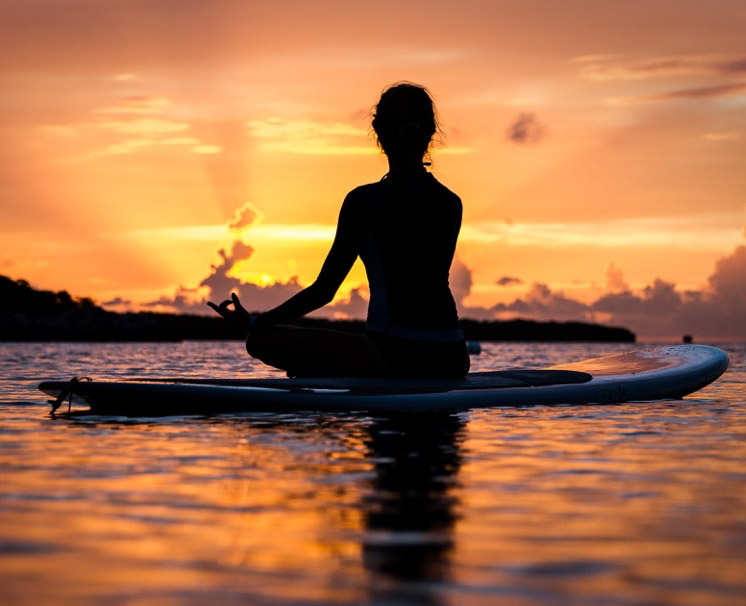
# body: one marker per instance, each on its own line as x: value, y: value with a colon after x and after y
x: 404, y: 119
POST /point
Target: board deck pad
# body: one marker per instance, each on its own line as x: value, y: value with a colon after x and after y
x: 476, y: 380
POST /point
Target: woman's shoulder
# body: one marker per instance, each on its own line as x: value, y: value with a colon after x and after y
x: 356, y: 199
x: 365, y: 190
x: 393, y: 187
x: 444, y: 196
x: 445, y: 191
x: 362, y: 197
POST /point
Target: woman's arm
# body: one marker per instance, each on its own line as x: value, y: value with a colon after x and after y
x: 337, y: 265
x: 339, y: 261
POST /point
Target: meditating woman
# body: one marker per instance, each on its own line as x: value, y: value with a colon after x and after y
x: 404, y: 228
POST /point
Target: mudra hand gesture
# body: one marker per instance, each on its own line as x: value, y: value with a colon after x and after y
x: 238, y: 316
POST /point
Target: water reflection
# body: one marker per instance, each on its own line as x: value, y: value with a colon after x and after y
x: 412, y: 506
x: 633, y: 504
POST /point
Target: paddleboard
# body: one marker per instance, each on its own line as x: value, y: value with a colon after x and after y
x: 648, y: 374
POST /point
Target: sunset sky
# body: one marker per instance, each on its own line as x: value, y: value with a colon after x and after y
x: 158, y: 152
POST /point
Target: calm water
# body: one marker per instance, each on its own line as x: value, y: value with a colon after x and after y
x: 639, y: 504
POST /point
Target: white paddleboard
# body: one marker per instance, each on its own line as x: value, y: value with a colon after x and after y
x: 649, y: 374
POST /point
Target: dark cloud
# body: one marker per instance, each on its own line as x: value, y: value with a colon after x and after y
x: 736, y: 66
x: 117, y: 302
x: 728, y: 284
x: 253, y: 296
x: 703, y: 92
x: 460, y: 280
x: 218, y: 285
x: 220, y: 282
x: 354, y: 306
x: 615, y: 279
x: 662, y: 311
x: 180, y: 302
x: 262, y: 298
x: 525, y: 129
x: 658, y: 310
x: 662, y: 67
x: 508, y: 281
x: 541, y: 303
x: 620, y: 303
x: 654, y: 312
x: 245, y: 217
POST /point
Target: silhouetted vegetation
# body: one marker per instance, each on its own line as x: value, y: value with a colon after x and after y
x: 529, y: 330
x: 28, y: 314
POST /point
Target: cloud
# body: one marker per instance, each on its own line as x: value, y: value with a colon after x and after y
x: 223, y: 279
x: 657, y: 300
x: 702, y: 92
x: 207, y: 149
x: 721, y: 136
x: 311, y: 138
x: 615, y: 279
x: 601, y: 68
x: 132, y: 124
x: 709, y: 230
x: 728, y: 284
x: 245, y: 217
x: 525, y: 129
x: 220, y: 279
x: 460, y: 281
x: 541, y: 303
x: 138, y: 105
x: 130, y: 146
x: 354, y: 306
x: 655, y: 312
x: 220, y: 282
x: 279, y: 128
x: 508, y: 281
x: 116, y: 302
x: 659, y: 310
x: 144, y: 126
x: 181, y: 302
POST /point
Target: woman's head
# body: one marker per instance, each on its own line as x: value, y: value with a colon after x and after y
x: 405, y: 121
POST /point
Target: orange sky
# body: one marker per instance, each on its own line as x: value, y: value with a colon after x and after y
x: 135, y: 131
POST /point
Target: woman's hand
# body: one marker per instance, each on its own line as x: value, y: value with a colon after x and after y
x: 237, y: 316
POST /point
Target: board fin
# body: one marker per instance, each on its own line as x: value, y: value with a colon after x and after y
x: 66, y: 392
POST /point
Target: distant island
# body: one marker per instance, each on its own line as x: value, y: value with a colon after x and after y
x: 28, y: 314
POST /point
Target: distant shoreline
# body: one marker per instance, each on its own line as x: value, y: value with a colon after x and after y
x: 30, y: 315
x: 106, y: 326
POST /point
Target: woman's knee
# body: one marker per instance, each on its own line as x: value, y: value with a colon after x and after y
x: 256, y: 344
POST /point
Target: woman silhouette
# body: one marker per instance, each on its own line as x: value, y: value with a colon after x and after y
x: 404, y: 228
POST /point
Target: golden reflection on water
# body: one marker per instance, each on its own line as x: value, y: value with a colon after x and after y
x: 626, y: 504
